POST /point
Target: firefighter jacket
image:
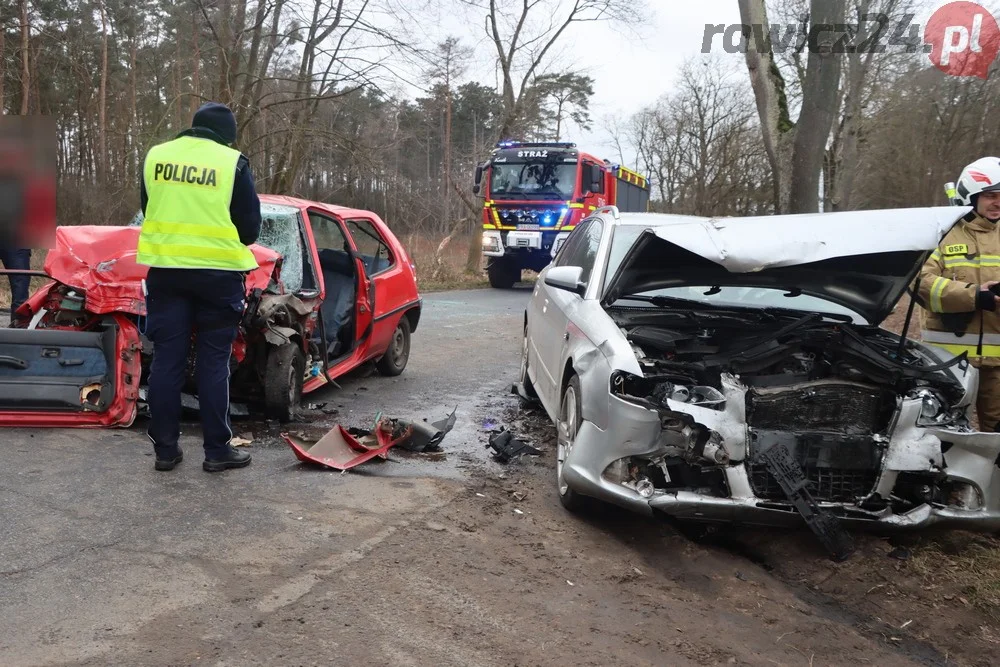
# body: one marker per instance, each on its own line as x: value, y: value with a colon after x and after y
x: 954, y: 311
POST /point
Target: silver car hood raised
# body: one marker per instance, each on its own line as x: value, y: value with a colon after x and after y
x: 862, y: 260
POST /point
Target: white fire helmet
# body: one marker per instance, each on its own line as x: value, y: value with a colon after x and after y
x: 983, y: 175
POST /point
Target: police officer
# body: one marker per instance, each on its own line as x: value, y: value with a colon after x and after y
x: 201, y: 211
x: 960, y: 308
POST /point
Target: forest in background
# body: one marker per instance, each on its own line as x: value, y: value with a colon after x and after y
x: 311, y: 80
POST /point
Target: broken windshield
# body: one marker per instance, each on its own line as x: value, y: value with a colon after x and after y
x: 279, y: 231
x: 550, y: 180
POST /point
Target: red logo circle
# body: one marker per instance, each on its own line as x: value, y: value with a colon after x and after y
x: 965, y: 38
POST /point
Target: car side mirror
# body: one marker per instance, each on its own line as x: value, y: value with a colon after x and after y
x: 566, y: 278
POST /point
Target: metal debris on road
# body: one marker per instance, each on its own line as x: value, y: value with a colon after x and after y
x: 506, y: 447
x: 340, y: 450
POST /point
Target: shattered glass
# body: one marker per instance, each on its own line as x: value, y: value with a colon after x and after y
x: 279, y: 231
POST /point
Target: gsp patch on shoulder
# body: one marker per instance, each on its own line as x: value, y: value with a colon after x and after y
x: 956, y: 249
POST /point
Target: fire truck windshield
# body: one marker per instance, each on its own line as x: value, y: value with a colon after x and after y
x: 529, y: 180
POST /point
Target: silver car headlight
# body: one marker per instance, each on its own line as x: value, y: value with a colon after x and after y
x: 934, y: 411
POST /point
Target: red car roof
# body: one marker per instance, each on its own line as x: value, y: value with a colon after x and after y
x: 306, y: 203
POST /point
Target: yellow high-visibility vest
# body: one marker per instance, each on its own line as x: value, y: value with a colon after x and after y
x: 189, y: 184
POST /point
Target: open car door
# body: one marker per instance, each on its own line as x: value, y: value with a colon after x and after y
x: 70, y: 378
x: 364, y: 307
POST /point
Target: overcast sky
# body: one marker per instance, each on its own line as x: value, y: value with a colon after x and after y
x: 631, y: 67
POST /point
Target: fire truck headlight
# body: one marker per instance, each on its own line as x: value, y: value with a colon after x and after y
x: 558, y: 243
x: 491, y: 242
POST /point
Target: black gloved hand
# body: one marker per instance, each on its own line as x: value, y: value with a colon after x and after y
x: 987, y: 299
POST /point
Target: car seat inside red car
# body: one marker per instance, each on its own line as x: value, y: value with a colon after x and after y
x: 338, y: 305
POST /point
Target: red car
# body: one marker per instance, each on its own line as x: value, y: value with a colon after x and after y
x: 334, y: 290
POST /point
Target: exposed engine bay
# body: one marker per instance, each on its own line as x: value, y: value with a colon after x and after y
x: 692, y: 349
x: 735, y: 387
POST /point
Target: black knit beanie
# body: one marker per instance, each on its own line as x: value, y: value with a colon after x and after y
x: 218, y: 118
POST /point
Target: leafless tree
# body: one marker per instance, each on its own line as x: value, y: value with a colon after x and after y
x: 701, y: 146
x: 795, y: 150
x: 525, y: 33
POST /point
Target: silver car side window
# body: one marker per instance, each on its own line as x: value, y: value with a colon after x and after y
x: 581, y: 248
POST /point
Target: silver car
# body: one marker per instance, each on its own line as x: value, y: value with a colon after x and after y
x: 734, y: 370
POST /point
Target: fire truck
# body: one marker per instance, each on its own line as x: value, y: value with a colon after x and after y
x: 534, y: 196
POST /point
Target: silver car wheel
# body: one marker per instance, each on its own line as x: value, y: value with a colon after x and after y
x: 566, y: 435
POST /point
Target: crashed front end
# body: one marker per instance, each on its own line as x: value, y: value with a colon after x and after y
x: 76, y: 354
x: 772, y: 424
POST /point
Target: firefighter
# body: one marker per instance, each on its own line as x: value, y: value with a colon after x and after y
x: 959, y: 284
x: 201, y: 211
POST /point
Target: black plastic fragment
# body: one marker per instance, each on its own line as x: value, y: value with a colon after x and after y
x: 787, y: 472
x: 506, y: 447
x: 426, y: 436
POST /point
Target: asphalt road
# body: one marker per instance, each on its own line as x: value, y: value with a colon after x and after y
x: 95, y: 546
x: 444, y: 559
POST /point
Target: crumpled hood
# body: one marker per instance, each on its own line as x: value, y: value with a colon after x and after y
x: 100, y: 261
x: 863, y: 260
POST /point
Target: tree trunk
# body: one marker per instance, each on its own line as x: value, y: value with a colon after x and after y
x: 25, y: 72
x: 772, y: 104
x: 845, y: 151
x: 225, y: 20
x: 819, y: 106
x: 195, y: 63
x: 447, y: 155
x: 236, y: 51
x: 102, y: 134
x: 3, y: 64
x: 176, y: 70
x: 133, y: 120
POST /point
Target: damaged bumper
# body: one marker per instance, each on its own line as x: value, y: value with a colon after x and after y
x: 928, y: 476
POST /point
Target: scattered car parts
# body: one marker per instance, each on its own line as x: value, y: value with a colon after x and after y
x: 427, y: 437
x: 341, y: 450
x: 345, y: 448
x: 506, y: 447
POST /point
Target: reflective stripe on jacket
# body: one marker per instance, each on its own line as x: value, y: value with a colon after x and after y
x: 967, y: 257
x: 189, y: 182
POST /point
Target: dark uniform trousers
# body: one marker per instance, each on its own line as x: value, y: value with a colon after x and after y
x: 17, y: 259
x: 209, y: 304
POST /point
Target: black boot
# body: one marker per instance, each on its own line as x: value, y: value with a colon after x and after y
x: 234, y: 458
x: 169, y: 463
